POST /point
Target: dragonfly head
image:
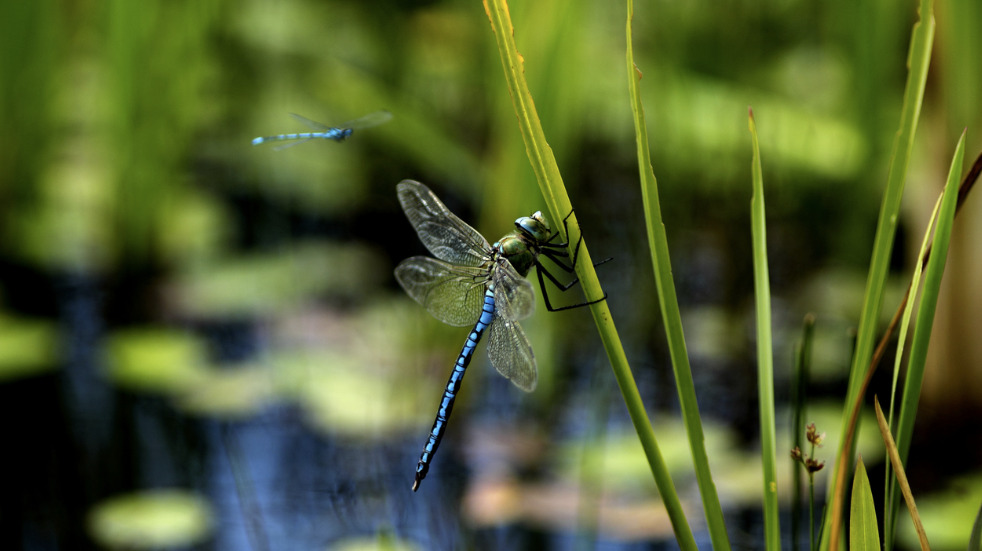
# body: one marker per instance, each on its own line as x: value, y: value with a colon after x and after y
x: 534, y: 227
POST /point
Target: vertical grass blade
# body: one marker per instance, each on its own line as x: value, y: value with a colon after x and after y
x: 863, y: 531
x: 547, y: 173
x: 925, y: 318
x: 668, y: 301
x: 922, y: 37
x: 765, y: 350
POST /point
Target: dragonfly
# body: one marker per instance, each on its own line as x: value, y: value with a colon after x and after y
x: 473, y: 283
x: 325, y: 132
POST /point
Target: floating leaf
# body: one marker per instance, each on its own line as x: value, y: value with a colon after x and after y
x: 156, y: 359
x: 151, y: 519
x: 27, y: 347
x: 231, y: 392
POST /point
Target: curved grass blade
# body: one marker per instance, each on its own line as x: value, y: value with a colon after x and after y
x: 550, y: 182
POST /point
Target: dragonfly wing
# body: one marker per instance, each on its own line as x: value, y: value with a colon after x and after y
x: 313, y: 125
x: 449, y: 238
x: 513, y: 295
x: 291, y: 144
x: 368, y: 121
x: 452, y: 294
x: 511, y: 354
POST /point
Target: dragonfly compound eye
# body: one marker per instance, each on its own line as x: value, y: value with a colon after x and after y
x: 534, y: 226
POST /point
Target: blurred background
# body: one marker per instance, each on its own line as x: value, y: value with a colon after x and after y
x: 202, y: 344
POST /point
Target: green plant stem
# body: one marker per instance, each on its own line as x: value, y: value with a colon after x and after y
x: 811, y: 508
x: 668, y: 302
x: 922, y: 37
x: 799, y: 389
x: 550, y: 181
x: 925, y: 320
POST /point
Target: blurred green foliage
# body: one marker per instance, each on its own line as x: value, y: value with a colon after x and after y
x: 118, y: 118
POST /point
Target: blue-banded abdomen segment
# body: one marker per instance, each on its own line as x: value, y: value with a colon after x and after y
x: 336, y: 134
x: 453, y: 386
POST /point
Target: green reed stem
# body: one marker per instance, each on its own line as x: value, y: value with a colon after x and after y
x: 550, y: 181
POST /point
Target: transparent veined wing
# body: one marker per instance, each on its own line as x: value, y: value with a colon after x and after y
x: 449, y: 238
x: 368, y: 121
x: 312, y: 124
x: 511, y: 354
x: 452, y: 294
x: 514, y: 298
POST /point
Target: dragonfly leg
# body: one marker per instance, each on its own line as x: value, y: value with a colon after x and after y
x: 552, y: 250
x: 540, y: 270
x: 558, y: 253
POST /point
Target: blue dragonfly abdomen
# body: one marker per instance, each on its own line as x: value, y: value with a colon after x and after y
x: 336, y: 134
x: 453, y: 386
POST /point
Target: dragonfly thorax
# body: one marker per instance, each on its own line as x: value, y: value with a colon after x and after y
x: 522, y: 246
x: 515, y: 249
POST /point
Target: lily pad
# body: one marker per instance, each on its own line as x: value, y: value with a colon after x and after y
x: 947, y: 515
x: 156, y: 359
x: 151, y: 519
x: 27, y: 347
x: 380, y: 543
x: 231, y: 392
x: 277, y: 283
